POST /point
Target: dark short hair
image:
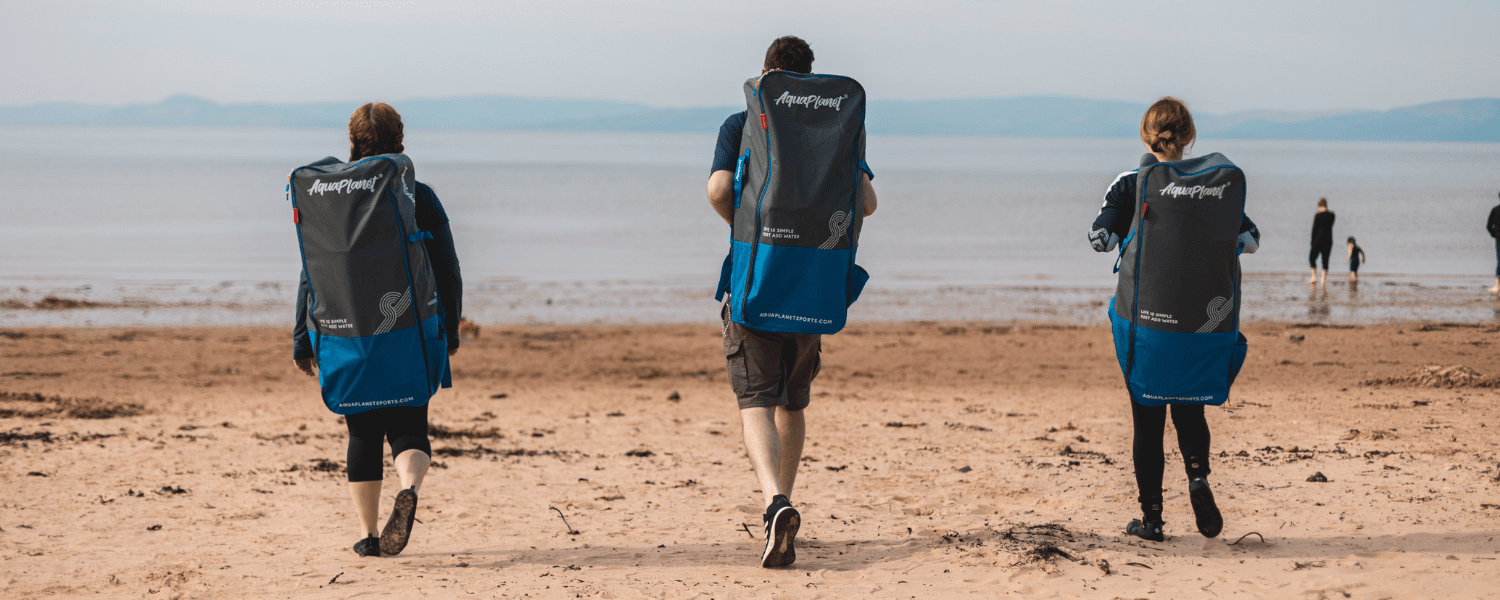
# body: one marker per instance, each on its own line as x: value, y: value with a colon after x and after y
x: 374, y: 128
x: 789, y: 53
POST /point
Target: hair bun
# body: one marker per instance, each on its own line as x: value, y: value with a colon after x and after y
x: 1164, y: 135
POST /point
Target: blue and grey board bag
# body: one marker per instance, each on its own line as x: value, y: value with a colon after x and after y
x: 374, y: 317
x: 798, y: 205
x: 1176, y: 312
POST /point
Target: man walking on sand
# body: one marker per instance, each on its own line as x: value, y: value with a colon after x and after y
x: 771, y: 372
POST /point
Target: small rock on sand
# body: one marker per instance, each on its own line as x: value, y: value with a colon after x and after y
x: 1318, y: 477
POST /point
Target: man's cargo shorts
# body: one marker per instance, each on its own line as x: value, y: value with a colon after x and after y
x: 767, y: 368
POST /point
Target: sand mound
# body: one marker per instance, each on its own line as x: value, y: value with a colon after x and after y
x: 1435, y: 376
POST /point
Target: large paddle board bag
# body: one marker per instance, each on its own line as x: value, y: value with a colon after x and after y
x: 374, y: 317
x: 1176, y: 312
x: 798, y: 205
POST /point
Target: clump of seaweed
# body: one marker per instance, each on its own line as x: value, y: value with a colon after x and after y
x: 61, y: 406
x: 1436, y: 376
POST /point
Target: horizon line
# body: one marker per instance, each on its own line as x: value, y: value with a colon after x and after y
x: 1344, y: 110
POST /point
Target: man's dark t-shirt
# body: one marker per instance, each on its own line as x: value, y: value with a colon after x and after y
x: 726, y: 152
x: 1322, y: 229
x: 1493, y: 226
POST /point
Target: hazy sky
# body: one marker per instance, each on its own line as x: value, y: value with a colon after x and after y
x: 1220, y: 56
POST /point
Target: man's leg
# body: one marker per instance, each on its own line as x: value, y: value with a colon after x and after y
x: 791, y: 428
x: 773, y: 439
x: 802, y: 354
x: 763, y: 444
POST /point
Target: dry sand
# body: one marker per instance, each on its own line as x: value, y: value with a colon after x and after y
x: 942, y: 460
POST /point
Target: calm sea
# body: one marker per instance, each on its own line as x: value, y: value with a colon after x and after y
x: 569, y: 227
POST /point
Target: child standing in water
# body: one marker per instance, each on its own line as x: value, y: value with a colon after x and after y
x: 1167, y: 130
x: 1356, y: 256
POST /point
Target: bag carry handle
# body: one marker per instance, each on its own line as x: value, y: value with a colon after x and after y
x: 739, y: 176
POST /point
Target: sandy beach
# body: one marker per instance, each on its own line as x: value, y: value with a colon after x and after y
x: 943, y: 459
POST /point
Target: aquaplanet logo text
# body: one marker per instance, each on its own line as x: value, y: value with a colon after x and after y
x: 1194, y: 191
x: 810, y: 101
x: 342, y: 186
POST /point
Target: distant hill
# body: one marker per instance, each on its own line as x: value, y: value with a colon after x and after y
x: 1474, y: 120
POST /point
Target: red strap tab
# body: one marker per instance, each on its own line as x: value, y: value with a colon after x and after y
x: 763, y: 121
x: 1144, y: 207
x: 296, y: 216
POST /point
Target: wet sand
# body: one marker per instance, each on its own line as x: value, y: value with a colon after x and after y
x: 943, y: 459
x: 1271, y: 297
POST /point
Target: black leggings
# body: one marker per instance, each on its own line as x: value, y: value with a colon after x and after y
x: 1323, y: 250
x: 1192, y: 440
x: 404, y: 426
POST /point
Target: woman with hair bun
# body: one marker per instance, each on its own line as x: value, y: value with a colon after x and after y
x: 375, y: 129
x: 1167, y: 131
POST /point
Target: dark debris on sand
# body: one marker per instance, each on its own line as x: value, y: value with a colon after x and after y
x: 480, y: 450
x: 59, y: 406
x: 319, y: 465
x: 1436, y: 376
x: 442, y: 432
x: 1021, y: 544
x: 14, y: 436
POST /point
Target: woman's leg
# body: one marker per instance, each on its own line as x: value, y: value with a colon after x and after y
x: 1192, y: 438
x: 1325, y: 252
x: 366, y: 446
x: 1150, y: 424
x: 411, y: 450
x: 1496, y: 289
x: 1312, y: 264
x: 406, y: 426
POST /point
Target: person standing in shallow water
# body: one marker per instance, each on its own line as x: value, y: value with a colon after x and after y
x: 1167, y: 130
x: 773, y: 383
x: 1322, y: 242
x: 376, y: 129
x: 1493, y: 226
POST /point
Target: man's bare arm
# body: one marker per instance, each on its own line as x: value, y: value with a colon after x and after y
x: 721, y: 194
x: 868, y: 190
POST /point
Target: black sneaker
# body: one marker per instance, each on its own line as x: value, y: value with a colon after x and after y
x: 782, y: 523
x: 369, y: 546
x: 398, y: 529
x: 1210, y: 522
x: 1145, y: 531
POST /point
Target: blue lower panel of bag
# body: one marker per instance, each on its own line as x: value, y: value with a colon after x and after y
x: 796, y: 290
x: 364, y: 373
x: 1177, y: 368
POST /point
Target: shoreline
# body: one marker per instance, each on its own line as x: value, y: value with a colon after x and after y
x: 1270, y: 297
